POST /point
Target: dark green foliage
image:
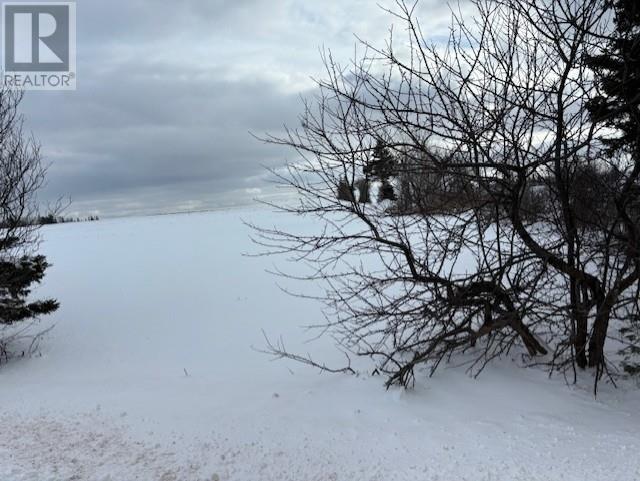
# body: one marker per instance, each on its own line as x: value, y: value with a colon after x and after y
x: 617, y: 72
x: 382, y: 166
x: 15, y: 281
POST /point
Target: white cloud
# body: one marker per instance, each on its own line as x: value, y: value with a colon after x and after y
x: 167, y: 92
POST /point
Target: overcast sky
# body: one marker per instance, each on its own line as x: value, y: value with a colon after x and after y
x: 168, y: 92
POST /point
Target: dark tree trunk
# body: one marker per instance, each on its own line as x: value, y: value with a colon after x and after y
x: 599, y: 338
x: 580, y: 341
x: 581, y: 326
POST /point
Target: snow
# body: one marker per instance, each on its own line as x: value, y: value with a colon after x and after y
x: 152, y: 373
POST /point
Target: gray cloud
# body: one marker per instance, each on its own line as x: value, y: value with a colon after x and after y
x: 168, y: 92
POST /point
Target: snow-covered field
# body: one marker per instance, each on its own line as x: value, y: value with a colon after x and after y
x: 150, y: 374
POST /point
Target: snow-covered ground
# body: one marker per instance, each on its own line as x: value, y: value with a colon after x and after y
x: 150, y: 374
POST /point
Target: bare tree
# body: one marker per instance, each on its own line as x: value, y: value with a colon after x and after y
x: 502, y: 110
x: 21, y: 175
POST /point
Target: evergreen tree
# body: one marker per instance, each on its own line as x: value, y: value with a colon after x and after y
x: 382, y: 167
x: 16, y: 277
x: 617, y: 72
x: 21, y: 174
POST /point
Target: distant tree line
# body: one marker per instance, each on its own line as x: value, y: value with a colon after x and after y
x: 427, y: 183
x: 56, y: 219
x: 48, y: 219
